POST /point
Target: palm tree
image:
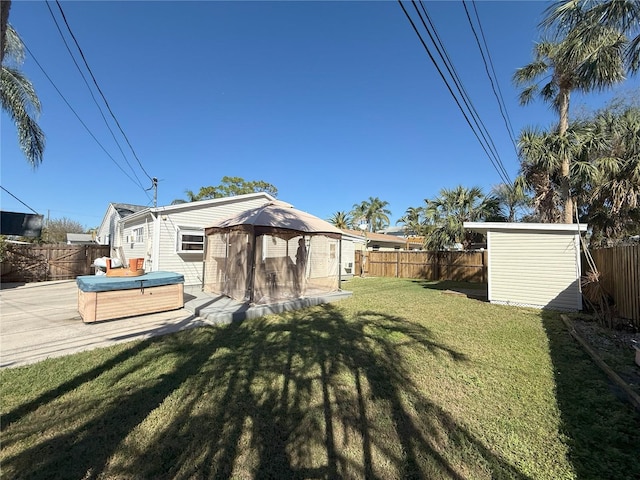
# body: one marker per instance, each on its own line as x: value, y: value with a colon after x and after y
x: 510, y: 197
x: 373, y: 211
x: 586, y: 17
x: 19, y: 99
x: 5, y: 6
x: 340, y: 220
x: 448, y: 212
x: 611, y: 176
x: 572, y: 64
x: 412, y: 220
x: 541, y: 160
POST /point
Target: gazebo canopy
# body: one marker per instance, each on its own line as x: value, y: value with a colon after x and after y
x: 276, y: 218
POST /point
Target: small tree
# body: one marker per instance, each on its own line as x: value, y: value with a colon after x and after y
x: 57, y: 229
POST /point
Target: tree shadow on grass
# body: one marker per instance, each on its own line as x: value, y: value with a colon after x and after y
x: 310, y: 394
x: 603, y: 430
x: 474, y: 290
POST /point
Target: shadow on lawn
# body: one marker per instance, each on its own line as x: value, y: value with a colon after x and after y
x: 474, y: 290
x: 603, y: 432
x: 309, y: 395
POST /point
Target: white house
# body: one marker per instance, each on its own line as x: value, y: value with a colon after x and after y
x: 171, y: 238
x: 533, y: 264
x: 115, y: 212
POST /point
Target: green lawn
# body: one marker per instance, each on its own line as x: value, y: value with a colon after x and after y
x: 400, y: 381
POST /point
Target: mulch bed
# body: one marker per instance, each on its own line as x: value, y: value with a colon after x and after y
x: 614, y: 347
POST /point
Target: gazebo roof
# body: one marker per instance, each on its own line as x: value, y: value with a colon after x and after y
x: 276, y: 218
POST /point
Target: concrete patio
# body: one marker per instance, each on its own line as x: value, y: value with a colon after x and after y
x: 41, y: 320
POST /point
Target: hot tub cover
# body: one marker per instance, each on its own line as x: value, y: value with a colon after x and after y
x: 94, y: 283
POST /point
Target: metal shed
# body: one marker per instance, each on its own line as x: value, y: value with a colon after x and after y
x: 533, y: 264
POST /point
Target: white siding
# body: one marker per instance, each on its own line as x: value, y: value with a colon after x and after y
x: 348, y: 258
x: 190, y: 264
x: 132, y: 249
x: 107, y: 227
x: 536, y: 269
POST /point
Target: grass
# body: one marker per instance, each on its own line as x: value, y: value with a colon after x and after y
x: 400, y: 381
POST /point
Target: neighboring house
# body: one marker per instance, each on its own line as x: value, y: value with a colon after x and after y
x: 383, y: 242
x: 171, y: 238
x: 80, y: 239
x: 533, y: 264
x: 115, y: 213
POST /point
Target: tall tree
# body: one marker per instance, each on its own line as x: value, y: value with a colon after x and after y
x: 572, y: 63
x: 541, y: 161
x: 610, y: 175
x: 373, y: 211
x: 19, y: 99
x: 587, y: 17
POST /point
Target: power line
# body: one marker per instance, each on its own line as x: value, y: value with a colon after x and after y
x: 78, y: 116
x: 19, y: 200
x: 497, y: 93
x: 91, y: 93
x: 100, y: 91
x: 479, y: 129
x: 465, y: 96
x: 463, y: 92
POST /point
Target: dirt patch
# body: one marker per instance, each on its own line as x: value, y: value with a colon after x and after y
x: 615, y: 347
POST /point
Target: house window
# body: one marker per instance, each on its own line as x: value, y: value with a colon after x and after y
x: 138, y: 235
x: 190, y: 241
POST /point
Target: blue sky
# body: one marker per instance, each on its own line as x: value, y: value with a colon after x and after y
x: 331, y: 102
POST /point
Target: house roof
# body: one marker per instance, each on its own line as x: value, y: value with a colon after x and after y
x: 202, y: 203
x: 80, y: 237
x: 377, y: 237
x: 125, y: 209
x: 484, y: 227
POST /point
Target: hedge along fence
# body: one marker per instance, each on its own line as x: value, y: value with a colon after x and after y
x: 619, y: 269
x: 39, y: 263
x: 463, y: 266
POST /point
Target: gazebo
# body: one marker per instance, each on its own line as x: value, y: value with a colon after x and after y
x: 271, y: 254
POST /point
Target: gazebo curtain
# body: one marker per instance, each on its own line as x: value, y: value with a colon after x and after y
x: 264, y: 266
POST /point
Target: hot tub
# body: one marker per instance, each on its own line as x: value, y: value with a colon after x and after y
x: 105, y: 298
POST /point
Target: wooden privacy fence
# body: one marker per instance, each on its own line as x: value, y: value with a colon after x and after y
x: 39, y: 263
x: 463, y: 266
x: 619, y: 269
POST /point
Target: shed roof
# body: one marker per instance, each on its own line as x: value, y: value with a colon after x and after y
x: 484, y: 227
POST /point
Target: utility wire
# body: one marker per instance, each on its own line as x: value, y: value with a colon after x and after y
x: 485, y: 147
x: 19, y: 200
x: 462, y: 91
x: 492, y: 75
x: 84, y: 78
x: 100, y: 91
x: 78, y: 116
